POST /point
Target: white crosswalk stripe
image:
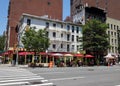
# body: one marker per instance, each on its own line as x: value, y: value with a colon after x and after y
x: 13, y: 76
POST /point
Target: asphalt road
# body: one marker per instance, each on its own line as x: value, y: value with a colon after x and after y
x: 81, y: 76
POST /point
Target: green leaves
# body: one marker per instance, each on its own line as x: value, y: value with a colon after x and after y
x: 95, y: 37
x: 35, y: 40
x: 2, y: 42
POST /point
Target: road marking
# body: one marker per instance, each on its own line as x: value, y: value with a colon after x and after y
x: 117, y: 85
x: 20, y: 80
x: 51, y: 72
x: 3, y: 84
x: 7, y: 76
x: 19, y: 77
x: 58, y: 79
x: 45, y: 84
x: 44, y: 80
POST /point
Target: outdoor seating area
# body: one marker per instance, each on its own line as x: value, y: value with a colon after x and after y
x: 111, y: 59
x: 57, y: 59
x: 43, y: 59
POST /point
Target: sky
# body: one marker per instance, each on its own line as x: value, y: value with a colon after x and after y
x: 4, y: 13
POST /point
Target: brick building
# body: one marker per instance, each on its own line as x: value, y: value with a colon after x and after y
x: 111, y: 6
x: 49, y: 8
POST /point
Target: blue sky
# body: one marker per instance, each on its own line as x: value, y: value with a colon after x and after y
x: 4, y: 10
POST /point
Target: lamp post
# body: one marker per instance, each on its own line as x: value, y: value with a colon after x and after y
x: 19, y: 40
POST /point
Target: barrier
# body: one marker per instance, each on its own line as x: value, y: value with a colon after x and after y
x: 51, y: 64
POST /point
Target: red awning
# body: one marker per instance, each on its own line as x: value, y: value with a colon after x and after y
x: 26, y: 53
x: 43, y: 53
x: 5, y: 53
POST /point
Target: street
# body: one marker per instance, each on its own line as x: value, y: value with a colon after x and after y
x: 16, y: 76
x: 81, y: 76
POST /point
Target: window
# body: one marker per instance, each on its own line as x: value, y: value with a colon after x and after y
x: 73, y: 29
x: 68, y: 27
x: 68, y: 48
x: 112, y: 34
x: 28, y: 22
x: 117, y: 27
x: 115, y: 41
x: 72, y: 37
x: 77, y: 29
x: 61, y: 35
x: 115, y: 34
x: 77, y: 38
x: 112, y: 41
x: 111, y: 26
x: 54, y: 25
x: 77, y: 47
x: 108, y: 32
x: 68, y: 37
x: 48, y: 3
x: 47, y: 34
x: 54, y: 34
x: 114, y: 27
x: 73, y: 47
x: 61, y: 45
x: 54, y: 46
x: 61, y: 25
x: 47, y: 25
x: 108, y: 25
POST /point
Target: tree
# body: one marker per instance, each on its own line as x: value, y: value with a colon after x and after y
x: 95, y: 38
x: 37, y: 41
x: 2, y: 42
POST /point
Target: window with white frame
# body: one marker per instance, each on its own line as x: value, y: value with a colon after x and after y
x: 73, y: 29
x: 54, y: 46
x: 54, y: 25
x: 54, y: 34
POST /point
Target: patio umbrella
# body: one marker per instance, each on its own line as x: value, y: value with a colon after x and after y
x: 5, y: 53
x: 109, y: 56
x: 43, y: 53
x: 78, y: 55
x: 57, y: 54
x: 88, y: 56
x: 68, y: 55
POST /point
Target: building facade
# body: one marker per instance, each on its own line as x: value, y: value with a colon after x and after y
x: 110, y: 6
x: 113, y: 32
x: 64, y: 36
x: 108, y: 11
x: 46, y: 8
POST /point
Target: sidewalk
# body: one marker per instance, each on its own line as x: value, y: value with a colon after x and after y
x: 26, y: 66
x: 10, y: 65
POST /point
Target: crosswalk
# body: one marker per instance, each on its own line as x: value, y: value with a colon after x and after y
x: 14, y: 76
